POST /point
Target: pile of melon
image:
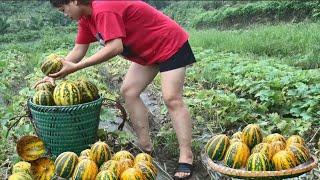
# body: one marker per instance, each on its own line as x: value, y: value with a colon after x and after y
x: 96, y: 163
x: 99, y: 163
x: 33, y: 164
x: 250, y: 150
x: 67, y: 92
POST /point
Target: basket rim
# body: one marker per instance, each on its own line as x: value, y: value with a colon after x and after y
x: 31, y: 104
x: 298, y: 170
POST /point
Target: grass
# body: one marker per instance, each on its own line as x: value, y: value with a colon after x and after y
x: 297, y: 44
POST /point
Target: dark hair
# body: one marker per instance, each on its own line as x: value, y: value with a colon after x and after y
x: 59, y: 3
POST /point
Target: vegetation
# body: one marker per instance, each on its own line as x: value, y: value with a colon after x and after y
x: 261, y: 67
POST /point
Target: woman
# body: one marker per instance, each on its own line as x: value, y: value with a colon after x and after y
x: 153, y: 43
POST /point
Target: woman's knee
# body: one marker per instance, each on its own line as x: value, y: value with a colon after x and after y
x: 129, y: 92
x: 173, y: 100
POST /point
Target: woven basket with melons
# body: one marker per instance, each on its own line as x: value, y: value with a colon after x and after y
x: 249, y: 154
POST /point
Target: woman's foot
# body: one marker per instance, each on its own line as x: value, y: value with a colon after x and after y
x: 185, y: 167
x: 184, y: 171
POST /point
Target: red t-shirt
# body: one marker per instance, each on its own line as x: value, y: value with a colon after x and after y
x: 148, y: 36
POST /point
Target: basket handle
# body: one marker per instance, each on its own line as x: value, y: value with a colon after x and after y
x: 117, y: 104
x: 26, y: 115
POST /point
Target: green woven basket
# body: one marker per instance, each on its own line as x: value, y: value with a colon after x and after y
x: 66, y: 128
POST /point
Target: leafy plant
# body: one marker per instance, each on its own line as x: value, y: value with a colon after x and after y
x: 4, y: 25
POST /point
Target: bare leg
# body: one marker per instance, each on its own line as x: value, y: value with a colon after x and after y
x: 135, y: 81
x: 172, y: 89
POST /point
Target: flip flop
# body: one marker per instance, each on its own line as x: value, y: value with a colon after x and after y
x: 183, y: 168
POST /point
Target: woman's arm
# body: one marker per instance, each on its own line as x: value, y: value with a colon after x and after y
x: 110, y: 50
x: 77, y: 53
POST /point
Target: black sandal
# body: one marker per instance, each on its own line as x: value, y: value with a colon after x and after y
x: 183, y: 168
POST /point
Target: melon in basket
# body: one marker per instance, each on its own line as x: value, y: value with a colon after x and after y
x: 300, y: 152
x: 88, y: 90
x: 217, y: 147
x: 278, y: 146
x: 274, y: 137
x: 283, y: 160
x: 45, y: 86
x: 237, y: 155
x: 265, y: 148
x: 43, y: 98
x: 251, y: 135
x: 258, y: 162
x: 295, y: 139
x: 66, y: 93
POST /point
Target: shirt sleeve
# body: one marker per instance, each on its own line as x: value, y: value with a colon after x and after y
x: 110, y: 25
x: 84, y: 35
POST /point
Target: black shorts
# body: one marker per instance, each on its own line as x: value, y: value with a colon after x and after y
x: 182, y: 58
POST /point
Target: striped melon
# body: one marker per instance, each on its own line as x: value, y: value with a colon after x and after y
x: 123, y: 155
x: 300, y: 152
x: 124, y: 164
x: 51, y: 64
x: 65, y: 164
x: 264, y: 148
x: 44, y: 98
x: 274, y: 137
x: 132, y: 174
x: 235, y: 140
x: 22, y: 166
x: 88, y: 90
x: 100, y: 152
x: 148, y: 170
x: 80, y: 158
x: 42, y: 169
x: 217, y: 147
x: 30, y: 148
x: 142, y: 157
x: 237, y: 155
x: 111, y: 165
x: 258, y: 162
x: 295, y: 139
x: 85, y: 154
x: 106, y: 175
x: 237, y: 135
x: 278, y: 146
x: 20, y: 176
x: 283, y: 160
x: 45, y: 86
x: 66, y: 93
x: 85, y: 169
x: 252, y: 135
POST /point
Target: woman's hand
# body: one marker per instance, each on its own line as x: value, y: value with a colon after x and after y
x: 45, y: 79
x: 67, y: 68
